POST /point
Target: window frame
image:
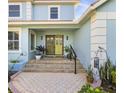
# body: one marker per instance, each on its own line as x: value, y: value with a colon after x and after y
x: 31, y: 32
x: 17, y: 17
x: 49, y: 12
x: 15, y: 51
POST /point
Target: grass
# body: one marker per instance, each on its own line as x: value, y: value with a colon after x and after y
x: 9, y: 91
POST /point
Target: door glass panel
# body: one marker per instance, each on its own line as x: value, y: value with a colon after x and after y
x: 50, y: 45
x: 58, y: 45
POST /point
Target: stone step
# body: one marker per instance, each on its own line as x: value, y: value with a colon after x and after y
x: 65, y: 66
x: 53, y: 62
x: 54, y: 70
x: 53, y: 65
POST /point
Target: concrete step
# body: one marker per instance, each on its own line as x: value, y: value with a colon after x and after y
x: 53, y: 65
x: 65, y: 66
x: 53, y: 61
x: 53, y: 70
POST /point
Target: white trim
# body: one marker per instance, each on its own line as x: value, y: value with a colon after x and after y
x: 16, y: 30
x: 32, y: 32
x: 50, y: 6
x: 20, y: 4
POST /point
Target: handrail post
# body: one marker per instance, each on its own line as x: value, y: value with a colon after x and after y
x: 75, y: 66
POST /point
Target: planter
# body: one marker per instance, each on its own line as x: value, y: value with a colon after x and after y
x: 17, y: 66
x: 37, y: 57
x: 89, y: 79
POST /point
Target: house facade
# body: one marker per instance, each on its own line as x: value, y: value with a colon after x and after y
x: 52, y: 24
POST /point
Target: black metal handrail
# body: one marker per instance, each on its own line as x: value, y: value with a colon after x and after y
x: 74, y: 56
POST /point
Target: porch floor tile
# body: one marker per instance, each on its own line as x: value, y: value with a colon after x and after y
x: 29, y: 82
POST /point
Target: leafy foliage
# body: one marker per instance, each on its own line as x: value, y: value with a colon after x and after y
x: 88, y: 89
x: 108, y: 72
x: 89, y: 75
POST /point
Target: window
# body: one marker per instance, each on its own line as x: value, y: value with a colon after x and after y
x: 32, y: 41
x: 14, y: 10
x: 13, y: 40
x: 54, y: 13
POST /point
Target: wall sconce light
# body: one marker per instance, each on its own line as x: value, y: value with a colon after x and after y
x: 66, y: 37
x: 41, y: 37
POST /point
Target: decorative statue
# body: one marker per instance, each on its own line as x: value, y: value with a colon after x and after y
x: 96, y: 77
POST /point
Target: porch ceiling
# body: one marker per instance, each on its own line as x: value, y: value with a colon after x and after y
x: 58, y: 29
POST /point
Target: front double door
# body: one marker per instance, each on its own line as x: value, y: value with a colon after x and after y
x: 54, y: 44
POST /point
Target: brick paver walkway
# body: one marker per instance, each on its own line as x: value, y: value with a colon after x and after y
x: 27, y: 82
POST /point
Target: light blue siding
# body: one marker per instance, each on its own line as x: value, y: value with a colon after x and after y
x: 40, y: 12
x: 111, y: 40
x: 67, y: 12
x: 108, y: 6
x: 23, y: 11
x: 82, y: 44
x: 54, y: 32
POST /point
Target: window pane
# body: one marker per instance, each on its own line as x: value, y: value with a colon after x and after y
x: 10, y: 35
x: 54, y: 13
x: 14, y: 10
x: 10, y: 45
x: 54, y: 16
x: 14, y: 14
x: 14, y: 7
x: 16, y: 35
x: 16, y: 45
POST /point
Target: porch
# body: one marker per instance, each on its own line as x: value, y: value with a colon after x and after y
x: 53, y: 40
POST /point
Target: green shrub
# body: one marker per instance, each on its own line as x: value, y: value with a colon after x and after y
x: 88, y: 89
x: 14, y: 61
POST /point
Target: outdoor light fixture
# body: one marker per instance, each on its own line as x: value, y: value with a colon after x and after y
x: 41, y: 37
x: 66, y: 37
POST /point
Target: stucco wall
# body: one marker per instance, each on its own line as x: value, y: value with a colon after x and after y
x: 82, y: 44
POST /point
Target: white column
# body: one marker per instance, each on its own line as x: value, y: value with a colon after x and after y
x: 98, y: 36
x: 28, y: 10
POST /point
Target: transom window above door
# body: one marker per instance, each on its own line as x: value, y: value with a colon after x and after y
x: 14, y: 10
x: 54, y: 12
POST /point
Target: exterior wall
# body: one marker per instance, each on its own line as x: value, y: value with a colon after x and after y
x: 100, y: 31
x: 23, y: 45
x: 67, y: 12
x: 111, y: 40
x: 82, y: 44
x: 41, y: 12
x: 109, y: 6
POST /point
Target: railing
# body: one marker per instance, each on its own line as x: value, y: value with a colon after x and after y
x: 73, y: 56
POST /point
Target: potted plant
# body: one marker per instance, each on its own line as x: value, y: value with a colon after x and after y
x: 89, y: 75
x: 39, y: 52
x: 67, y: 51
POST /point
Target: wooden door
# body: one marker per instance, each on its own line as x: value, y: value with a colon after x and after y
x: 50, y: 44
